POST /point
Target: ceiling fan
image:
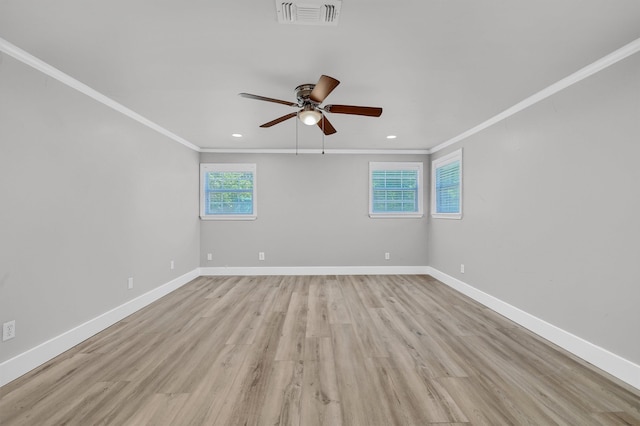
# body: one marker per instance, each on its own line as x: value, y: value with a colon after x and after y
x: 310, y: 97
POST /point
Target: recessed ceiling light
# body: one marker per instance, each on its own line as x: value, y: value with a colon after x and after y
x: 391, y: 137
x: 236, y: 135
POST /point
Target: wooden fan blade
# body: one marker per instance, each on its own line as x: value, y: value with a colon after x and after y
x: 279, y: 120
x: 262, y: 98
x: 322, y: 89
x: 326, y: 127
x: 355, y: 110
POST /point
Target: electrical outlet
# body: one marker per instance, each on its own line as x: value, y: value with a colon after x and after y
x: 462, y: 268
x: 8, y: 330
x: 387, y: 256
x: 209, y: 256
x: 261, y: 255
x: 172, y: 265
x: 130, y: 284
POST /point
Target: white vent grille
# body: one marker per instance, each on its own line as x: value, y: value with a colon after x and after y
x: 306, y: 12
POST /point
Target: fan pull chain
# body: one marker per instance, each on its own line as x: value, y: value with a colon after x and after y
x: 297, y: 120
x: 323, y: 134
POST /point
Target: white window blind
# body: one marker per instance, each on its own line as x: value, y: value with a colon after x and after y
x: 228, y: 191
x: 446, y: 200
x: 395, y: 189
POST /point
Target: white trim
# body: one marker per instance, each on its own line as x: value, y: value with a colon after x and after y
x: 417, y: 166
x: 316, y: 151
x: 229, y: 167
x: 21, y: 364
x: 435, y: 165
x: 229, y: 217
x: 602, y: 63
x: 613, y: 364
x: 456, y: 216
x: 313, y: 270
x: 32, y: 61
x: 396, y: 216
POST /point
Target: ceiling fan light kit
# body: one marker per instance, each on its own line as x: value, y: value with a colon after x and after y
x: 310, y: 97
x: 309, y: 115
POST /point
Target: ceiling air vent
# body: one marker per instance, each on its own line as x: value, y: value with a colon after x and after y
x: 308, y: 12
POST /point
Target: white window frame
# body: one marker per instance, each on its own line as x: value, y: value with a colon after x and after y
x: 436, y: 164
x: 228, y: 167
x: 390, y: 165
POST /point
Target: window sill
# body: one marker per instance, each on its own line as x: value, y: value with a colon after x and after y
x: 457, y: 216
x: 396, y: 216
x: 224, y: 217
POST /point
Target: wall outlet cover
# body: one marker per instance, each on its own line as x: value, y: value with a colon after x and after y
x: 8, y: 330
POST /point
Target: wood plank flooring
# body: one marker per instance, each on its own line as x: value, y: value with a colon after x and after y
x: 321, y: 350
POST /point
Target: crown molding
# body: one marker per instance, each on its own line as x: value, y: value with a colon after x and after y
x: 602, y: 63
x: 316, y: 151
x: 32, y: 61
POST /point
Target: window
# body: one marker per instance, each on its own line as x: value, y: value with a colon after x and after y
x: 228, y: 191
x: 395, y: 190
x: 446, y: 187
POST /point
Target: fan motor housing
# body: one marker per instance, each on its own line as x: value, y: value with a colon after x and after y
x: 302, y: 94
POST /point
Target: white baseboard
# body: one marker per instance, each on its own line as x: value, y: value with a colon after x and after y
x: 613, y: 364
x: 314, y: 270
x: 15, y: 367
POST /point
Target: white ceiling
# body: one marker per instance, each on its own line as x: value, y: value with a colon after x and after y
x: 437, y: 67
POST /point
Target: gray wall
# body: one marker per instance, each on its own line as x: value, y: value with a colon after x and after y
x: 89, y: 198
x: 313, y: 211
x: 551, y: 204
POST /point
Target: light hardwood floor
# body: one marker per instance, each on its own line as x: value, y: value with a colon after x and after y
x: 324, y: 350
